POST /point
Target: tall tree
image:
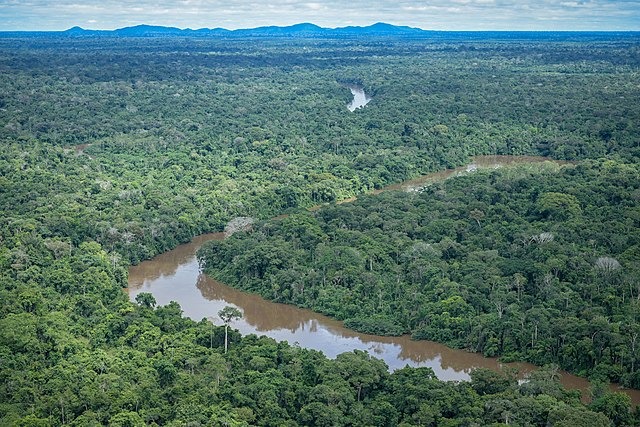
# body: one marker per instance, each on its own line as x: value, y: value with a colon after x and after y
x: 227, y: 315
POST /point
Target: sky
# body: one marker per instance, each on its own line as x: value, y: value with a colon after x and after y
x: 543, y: 15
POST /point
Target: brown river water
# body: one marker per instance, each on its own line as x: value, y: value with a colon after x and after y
x: 175, y: 276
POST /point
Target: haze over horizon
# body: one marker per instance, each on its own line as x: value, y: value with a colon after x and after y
x: 518, y: 15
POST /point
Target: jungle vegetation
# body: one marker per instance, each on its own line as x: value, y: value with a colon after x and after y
x: 534, y: 263
x: 114, y: 150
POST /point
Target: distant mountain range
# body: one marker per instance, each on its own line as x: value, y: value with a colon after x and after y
x: 310, y: 31
x: 305, y: 30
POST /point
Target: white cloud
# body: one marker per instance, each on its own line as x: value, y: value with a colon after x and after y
x: 315, y: 6
x: 415, y: 8
x: 428, y: 14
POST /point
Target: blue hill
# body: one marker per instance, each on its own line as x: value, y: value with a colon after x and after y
x: 303, y: 30
x: 310, y: 31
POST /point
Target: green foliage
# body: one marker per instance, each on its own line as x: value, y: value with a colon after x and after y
x: 33, y: 421
x: 615, y: 406
x: 559, y: 205
x: 486, y: 381
x: 119, y: 363
x: 113, y: 151
x: 528, y: 281
x: 229, y: 313
x: 375, y: 325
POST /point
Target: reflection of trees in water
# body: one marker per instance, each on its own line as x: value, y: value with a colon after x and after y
x: 479, y: 162
x: 453, y: 359
x: 263, y: 315
x: 313, y: 326
x: 377, y: 348
x: 163, y: 265
x: 418, y: 351
x: 167, y: 264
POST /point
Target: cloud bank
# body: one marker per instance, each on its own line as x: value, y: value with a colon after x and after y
x: 233, y: 14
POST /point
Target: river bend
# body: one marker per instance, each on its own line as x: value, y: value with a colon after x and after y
x: 176, y: 276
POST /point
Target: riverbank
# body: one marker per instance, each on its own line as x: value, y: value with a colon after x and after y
x: 202, y: 297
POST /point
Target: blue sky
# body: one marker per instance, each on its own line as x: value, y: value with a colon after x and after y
x: 430, y: 14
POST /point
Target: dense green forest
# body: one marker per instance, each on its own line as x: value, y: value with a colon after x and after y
x: 76, y: 352
x: 114, y: 150
x: 536, y: 263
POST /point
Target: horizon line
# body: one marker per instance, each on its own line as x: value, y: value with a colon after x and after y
x: 323, y: 28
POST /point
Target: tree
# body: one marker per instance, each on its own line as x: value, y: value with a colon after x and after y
x: 228, y: 314
x: 559, y: 206
x: 616, y: 406
x: 146, y: 299
x: 126, y: 419
x: 33, y: 421
x: 362, y: 371
x: 485, y: 381
x: 569, y: 416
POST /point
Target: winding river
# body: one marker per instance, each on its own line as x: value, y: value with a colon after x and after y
x: 176, y: 276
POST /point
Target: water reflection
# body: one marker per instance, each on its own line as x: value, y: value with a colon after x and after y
x: 176, y: 276
x: 164, y: 267
x: 479, y: 162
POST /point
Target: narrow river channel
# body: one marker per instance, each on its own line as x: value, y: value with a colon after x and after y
x: 176, y: 276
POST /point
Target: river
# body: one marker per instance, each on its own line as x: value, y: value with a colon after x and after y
x: 360, y: 99
x: 175, y: 276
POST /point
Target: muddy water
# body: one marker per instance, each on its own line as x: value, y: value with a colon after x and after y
x: 175, y: 276
x: 479, y: 162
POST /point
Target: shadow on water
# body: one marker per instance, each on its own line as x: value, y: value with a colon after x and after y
x: 176, y: 276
